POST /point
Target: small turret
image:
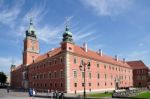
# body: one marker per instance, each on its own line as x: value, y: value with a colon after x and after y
x: 13, y: 67
x: 31, y: 30
x: 67, y: 36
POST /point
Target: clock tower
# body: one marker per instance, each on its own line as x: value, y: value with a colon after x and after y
x: 31, y: 45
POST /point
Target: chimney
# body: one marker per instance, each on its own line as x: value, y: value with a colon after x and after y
x: 124, y: 60
x: 100, y: 52
x: 116, y: 57
x: 85, y: 47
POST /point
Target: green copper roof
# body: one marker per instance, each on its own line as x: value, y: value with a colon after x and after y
x: 31, y: 31
x: 31, y: 27
x: 67, y: 36
x: 67, y: 31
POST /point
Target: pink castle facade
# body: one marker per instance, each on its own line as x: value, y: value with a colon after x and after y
x: 59, y: 69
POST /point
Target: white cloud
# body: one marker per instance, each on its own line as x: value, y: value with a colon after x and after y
x: 8, y: 13
x: 138, y: 55
x: 37, y: 12
x: 46, y: 32
x: 84, y: 33
x: 5, y: 63
x: 141, y: 44
x: 108, y: 7
x: 50, y: 34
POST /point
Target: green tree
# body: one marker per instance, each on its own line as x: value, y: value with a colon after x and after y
x: 3, y: 78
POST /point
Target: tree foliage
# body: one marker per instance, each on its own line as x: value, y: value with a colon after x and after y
x: 3, y: 78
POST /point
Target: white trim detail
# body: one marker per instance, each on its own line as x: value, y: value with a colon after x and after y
x: 67, y: 72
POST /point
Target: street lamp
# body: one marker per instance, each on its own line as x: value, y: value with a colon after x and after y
x: 117, y: 81
x: 83, y: 68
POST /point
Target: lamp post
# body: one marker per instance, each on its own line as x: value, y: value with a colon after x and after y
x: 117, y: 81
x: 83, y: 68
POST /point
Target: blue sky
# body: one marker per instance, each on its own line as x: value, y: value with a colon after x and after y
x: 118, y: 27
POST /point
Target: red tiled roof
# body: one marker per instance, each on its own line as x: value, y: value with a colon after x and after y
x: 95, y: 55
x: 18, y: 67
x: 137, y: 64
x: 90, y: 54
x: 50, y: 53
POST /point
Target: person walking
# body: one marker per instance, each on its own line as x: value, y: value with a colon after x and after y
x: 30, y: 92
x: 7, y: 89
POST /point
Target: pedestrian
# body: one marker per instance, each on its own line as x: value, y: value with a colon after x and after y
x: 7, y: 89
x: 48, y: 92
x: 30, y: 92
x: 33, y: 92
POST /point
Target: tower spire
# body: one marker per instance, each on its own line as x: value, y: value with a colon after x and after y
x: 31, y: 30
x: 31, y: 21
x: 67, y: 35
x: 67, y: 23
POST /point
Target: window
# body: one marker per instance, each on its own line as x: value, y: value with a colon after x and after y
x: 105, y: 76
x: 83, y: 74
x: 50, y: 84
x: 143, y: 77
x: 111, y: 76
x: 55, y: 61
x: 44, y: 75
x: 61, y: 60
x: 113, y: 68
x: 82, y: 84
x: 61, y: 74
x: 33, y: 59
x: 75, y: 84
x: 98, y: 76
x: 98, y: 84
x: 61, y: 85
x: 89, y: 84
x: 55, y: 75
x: 90, y: 75
x: 138, y: 77
x: 110, y: 67
x: 97, y: 64
x: 75, y: 60
x: 50, y: 63
x: 105, y: 84
x: 82, y: 62
x: 41, y: 76
x: 70, y: 48
x: 105, y: 66
x: 50, y: 76
x: 89, y: 63
x: 75, y: 74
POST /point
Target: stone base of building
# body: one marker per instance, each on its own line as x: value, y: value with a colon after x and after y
x: 93, y: 91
